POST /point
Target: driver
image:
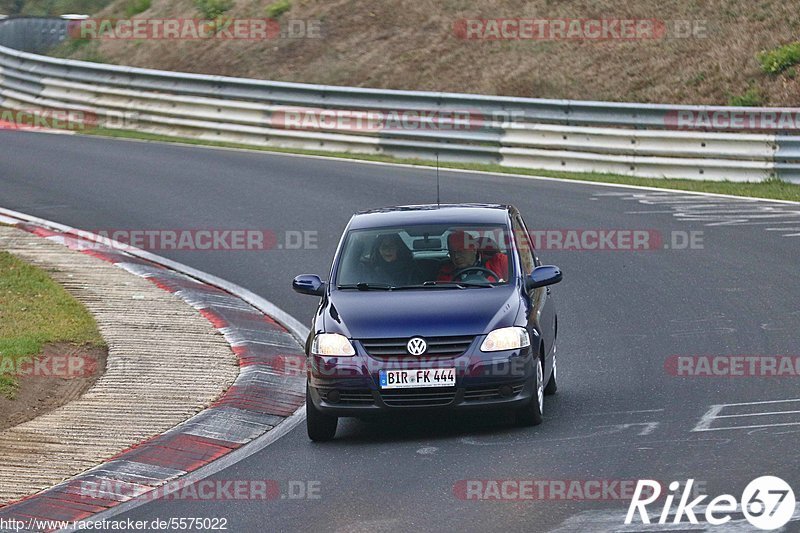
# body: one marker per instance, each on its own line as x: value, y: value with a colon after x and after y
x: 464, y: 253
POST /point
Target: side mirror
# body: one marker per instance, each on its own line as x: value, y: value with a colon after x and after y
x: 309, y: 284
x: 543, y: 276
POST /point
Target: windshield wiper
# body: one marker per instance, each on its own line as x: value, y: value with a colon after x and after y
x: 368, y: 286
x: 363, y: 286
x: 465, y: 283
x: 446, y: 285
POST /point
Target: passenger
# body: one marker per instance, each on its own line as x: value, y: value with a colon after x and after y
x: 392, y: 261
x: 464, y: 253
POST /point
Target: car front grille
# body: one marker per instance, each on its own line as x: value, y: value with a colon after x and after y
x: 442, y: 346
x: 418, y: 397
x: 356, y: 397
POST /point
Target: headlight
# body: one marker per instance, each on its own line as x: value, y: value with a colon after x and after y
x: 506, y: 339
x: 332, y: 344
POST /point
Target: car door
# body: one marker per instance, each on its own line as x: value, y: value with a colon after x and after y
x: 542, y: 309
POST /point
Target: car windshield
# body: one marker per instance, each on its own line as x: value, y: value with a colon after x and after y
x: 423, y: 257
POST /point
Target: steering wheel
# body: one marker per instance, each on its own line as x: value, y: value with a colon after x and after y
x: 482, y: 270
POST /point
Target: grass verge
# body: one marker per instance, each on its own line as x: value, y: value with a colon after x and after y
x: 34, y: 311
x: 772, y: 189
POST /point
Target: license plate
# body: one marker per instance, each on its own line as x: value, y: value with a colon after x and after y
x: 406, y: 379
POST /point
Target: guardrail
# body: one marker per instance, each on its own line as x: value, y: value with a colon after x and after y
x: 649, y: 140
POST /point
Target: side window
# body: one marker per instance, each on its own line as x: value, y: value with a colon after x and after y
x: 523, y: 245
x: 536, y: 261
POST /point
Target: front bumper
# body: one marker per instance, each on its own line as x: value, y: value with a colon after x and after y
x: 349, y: 386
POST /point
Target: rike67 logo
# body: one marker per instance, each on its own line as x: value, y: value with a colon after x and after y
x: 767, y: 503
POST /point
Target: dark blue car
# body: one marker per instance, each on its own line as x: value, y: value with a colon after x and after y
x: 431, y: 307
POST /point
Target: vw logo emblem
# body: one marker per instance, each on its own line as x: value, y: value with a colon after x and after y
x: 416, y: 346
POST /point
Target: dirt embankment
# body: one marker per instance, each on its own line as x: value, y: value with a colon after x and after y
x: 55, y: 377
x: 700, y: 52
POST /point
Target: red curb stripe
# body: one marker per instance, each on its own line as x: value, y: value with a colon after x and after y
x: 240, y: 350
x: 266, y: 351
x: 62, y: 495
x: 175, y: 284
x: 274, y: 322
x: 176, y: 459
x: 216, y: 320
x: 283, y: 366
x: 247, y: 319
x: 132, y: 448
x: 193, y: 443
x: 262, y: 400
x: 161, y: 284
x: 100, y: 255
x: 182, y: 452
x: 81, y: 505
x: 37, y: 230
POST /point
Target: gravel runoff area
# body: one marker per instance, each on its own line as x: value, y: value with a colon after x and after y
x: 166, y: 362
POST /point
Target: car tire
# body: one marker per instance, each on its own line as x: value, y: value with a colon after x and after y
x: 320, y: 427
x: 552, y: 385
x: 531, y: 414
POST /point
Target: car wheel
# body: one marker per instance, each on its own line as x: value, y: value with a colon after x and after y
x: 552, y: 385
x: 321, y: 427
x: 531, y: 414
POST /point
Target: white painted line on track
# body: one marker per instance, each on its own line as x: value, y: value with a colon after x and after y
x: 647, y: 427
x: 667, y: 212
x: 782, y: 424
x: 717, y: 413
x: 708, y: 418
x: 765, y: 402
x: 622, y: 412
x: 711, y: 212
x: 768, y: 413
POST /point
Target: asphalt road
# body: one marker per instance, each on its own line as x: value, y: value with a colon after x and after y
x: 619, y: 415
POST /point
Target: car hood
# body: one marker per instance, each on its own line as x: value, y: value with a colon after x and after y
x: 427, y: 312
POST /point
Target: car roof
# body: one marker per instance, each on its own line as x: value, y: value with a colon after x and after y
x: 431, y: 214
